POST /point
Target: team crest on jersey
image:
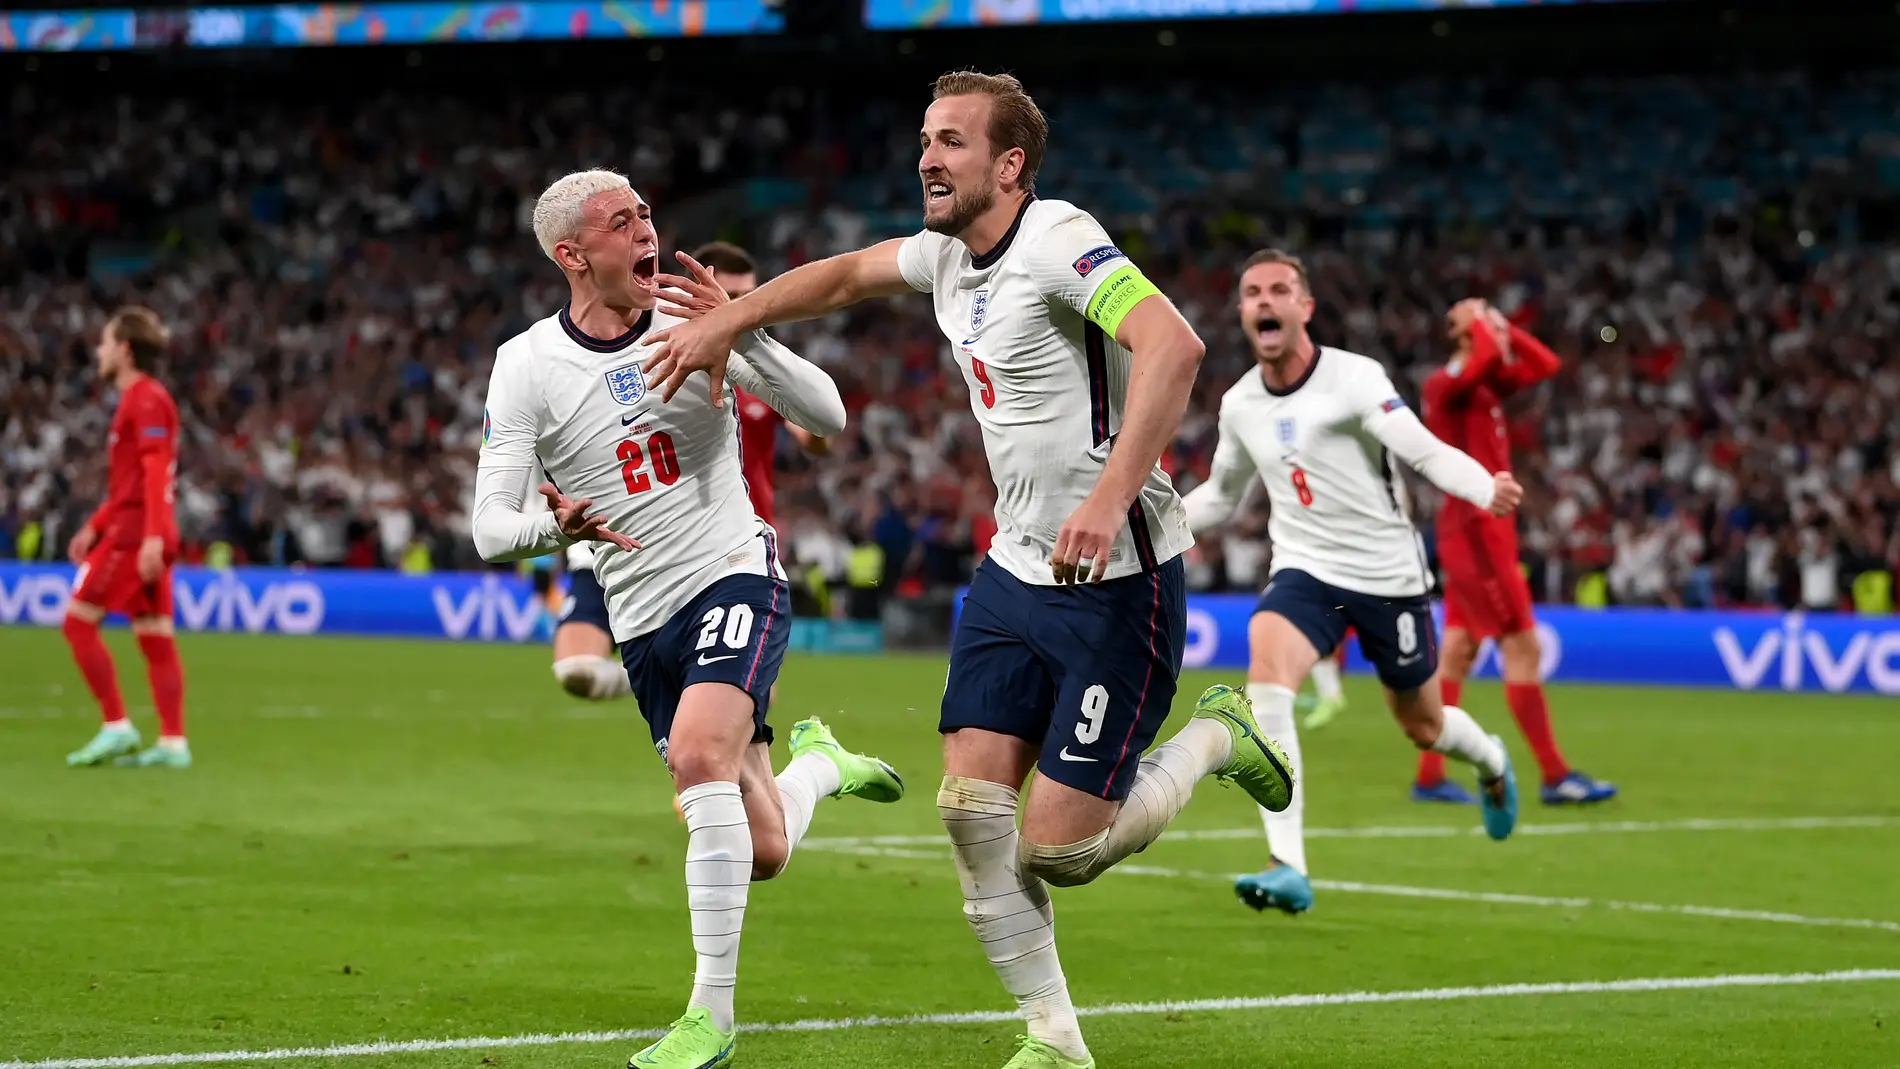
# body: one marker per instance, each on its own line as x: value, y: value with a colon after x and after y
x: 1095, y: 257
x: 627, y: 384
x: 1286, y: 431
x: 979, y: 304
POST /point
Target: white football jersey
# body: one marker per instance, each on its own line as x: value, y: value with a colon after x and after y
x: 1320, y: 447
x: 667, y: 475
x: 1046, y: 383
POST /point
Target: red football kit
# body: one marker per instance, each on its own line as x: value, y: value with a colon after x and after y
x: 1485, y: 591
x: 142, y: 461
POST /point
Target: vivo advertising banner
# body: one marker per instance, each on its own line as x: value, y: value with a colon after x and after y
x: 1739, y: 650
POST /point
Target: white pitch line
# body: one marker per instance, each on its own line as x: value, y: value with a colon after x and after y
x: 1440, y: 831
x: 1119, y: 1009
x: 1505, y: 898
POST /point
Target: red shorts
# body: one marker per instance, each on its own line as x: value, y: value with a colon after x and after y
x: 1485, y: 590
x: 110, y: 579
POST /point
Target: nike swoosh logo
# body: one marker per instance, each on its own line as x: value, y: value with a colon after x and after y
x: 627, y: 421
x: 703, y: 659
x: 1403, y: 661
x: 1067, y: 756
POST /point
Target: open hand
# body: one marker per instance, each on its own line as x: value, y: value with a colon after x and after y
x: 1505, y: 494
x: 571, y: 516
x: 702, y: 343
x: 690, y: 298
x: 1089, y: 535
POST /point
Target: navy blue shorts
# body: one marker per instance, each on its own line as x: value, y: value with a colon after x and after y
x: 1087, y: 672
x: 1395, y: 634
x: 586, y: 601
x: 734, y: 632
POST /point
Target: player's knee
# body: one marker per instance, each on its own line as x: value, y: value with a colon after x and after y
x: 589, y: 676
x: 1067, y: 866
x: 694, y: 765
x: 1523, y: 655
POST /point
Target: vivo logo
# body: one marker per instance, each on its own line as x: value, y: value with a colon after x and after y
x: 487, y: 611
x: 1793, y: 648
x: 35, y: 599
x: 226, y: 604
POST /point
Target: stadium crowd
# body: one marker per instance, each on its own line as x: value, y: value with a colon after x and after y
x: 1726, y: 428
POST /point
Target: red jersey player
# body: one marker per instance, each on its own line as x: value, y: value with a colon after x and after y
x: 125, y: 551
x: 1485, y: 592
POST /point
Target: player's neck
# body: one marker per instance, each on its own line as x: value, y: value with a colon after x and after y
x: 992, y: 227
x: 1283, y: 374
x: 594, y: 318
x: 126, y: 378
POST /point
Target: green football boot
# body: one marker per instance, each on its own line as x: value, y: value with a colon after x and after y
x: 160, y: 756
x: 1325, y: 711
x: 1036, y: 1054
x: 865, y: 777
x: 1258, y: 765
x: 111, y: 741
x: 692, y: 1043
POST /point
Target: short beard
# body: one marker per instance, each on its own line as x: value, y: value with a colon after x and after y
x: 964, y: 210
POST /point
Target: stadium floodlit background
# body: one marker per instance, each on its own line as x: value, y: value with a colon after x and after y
x: 389, y: 839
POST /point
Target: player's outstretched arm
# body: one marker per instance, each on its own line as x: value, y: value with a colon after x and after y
x: 795, y: 387
x: 815, y: 289
x: 1215, y: 501
x: 1446, y: 467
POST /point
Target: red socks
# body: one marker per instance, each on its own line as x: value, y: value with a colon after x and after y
x: 95, y: 663
x: 1533, y: 719
x: 168, y: 683
x: 1431, y: 763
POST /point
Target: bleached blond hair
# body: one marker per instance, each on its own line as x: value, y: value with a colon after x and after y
x: 557, y: 214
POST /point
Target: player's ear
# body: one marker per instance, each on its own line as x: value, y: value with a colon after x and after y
x: 1011, y: 169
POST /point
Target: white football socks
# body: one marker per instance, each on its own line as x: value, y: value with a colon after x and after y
x: 1163, y: 785
x: 1273, y: 710
x: 1009, y: 912
x: 809, y: 777
x: 718, y: 875
x: 1325, y: 676
x: 1463, y: 739
x: 585, y: 675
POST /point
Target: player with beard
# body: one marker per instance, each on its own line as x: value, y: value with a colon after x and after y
x: 1320, y: 427
x: 1069, y: 644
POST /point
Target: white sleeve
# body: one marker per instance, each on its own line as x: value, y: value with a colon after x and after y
x: 795, y: 387
x: 1072, y: 260
x: 1214, y: 502
x: 917, y: 261
x: 510, y: 429
x: 1384, y: 415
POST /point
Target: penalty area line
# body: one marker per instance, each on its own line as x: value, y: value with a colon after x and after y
x: 1119, y: 1009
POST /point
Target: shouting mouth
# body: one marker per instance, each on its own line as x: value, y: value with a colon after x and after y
x: 937, y: 193
x: 646, y: 272
x: 1269, y: 331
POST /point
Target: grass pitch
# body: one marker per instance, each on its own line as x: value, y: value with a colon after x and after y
x: 392, y: 841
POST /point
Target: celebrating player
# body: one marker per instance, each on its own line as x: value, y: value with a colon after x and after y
x: 125, y: 551
x: 699, y: 605
x: 1318, y: 426
x: 1485, y: 592
x: 1068, y: 647
x: 583, y: 643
